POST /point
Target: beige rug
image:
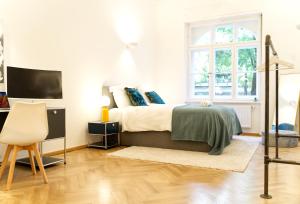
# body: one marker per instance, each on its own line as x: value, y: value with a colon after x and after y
x: 235, y: 157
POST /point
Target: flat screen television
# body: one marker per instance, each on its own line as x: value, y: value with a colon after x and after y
x: 34, y: 83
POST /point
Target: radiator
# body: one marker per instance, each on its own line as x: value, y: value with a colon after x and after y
x: 244, y: 113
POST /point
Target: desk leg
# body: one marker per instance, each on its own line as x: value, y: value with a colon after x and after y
x: 65, y: 150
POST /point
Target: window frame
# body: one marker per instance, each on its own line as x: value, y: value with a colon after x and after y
x: 212, y: 25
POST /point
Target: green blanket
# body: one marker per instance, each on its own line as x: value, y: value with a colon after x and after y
x: 214, y: 125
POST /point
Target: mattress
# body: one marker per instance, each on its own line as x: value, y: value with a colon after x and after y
x: 155, y: 117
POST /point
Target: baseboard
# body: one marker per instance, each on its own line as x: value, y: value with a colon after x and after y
x: 254, y: 134
x: 68, y: 150
x: 85, y: 146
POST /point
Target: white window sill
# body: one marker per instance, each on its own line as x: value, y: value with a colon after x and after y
x: 237, y: 102
x: 226, y: 101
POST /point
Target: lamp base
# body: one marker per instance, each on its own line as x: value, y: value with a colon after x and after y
x: 105, y: 114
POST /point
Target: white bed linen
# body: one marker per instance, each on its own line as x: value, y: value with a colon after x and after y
x: 156, y: 117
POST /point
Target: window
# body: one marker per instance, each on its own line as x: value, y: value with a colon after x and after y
x: 223, y: 57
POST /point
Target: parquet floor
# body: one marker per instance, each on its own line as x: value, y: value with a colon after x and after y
x: 92, y: 177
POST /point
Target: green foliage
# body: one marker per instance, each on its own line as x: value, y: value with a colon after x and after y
x: 201, y: 65
x: 245, y: 35
x: 225, y: 29
x: 247, y: 59
x: 247, y: 68
x: 223, y: 61
x: 224, y: 34
x: 203, y: 77
x: 223, y: 66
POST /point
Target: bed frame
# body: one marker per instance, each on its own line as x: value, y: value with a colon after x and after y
x: 159, y: 139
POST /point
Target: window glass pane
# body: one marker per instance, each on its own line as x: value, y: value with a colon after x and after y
x: 247, y: 31
x: 200, y: 68
x: 223, y: 84
x: 223, y: 61
x: 200, y: 61
x: 245, y: 35
x: 224, y: 34
x: 247, y: 59
x: 246, y: 80
x: 200, y: 85
x: 246, y: 83
x: 200, y: 36
x: 223, y: 72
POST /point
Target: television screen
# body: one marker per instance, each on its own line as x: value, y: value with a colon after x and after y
x: 33, y: 83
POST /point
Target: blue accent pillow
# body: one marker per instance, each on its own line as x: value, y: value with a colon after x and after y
x: 135, y: 97
x: 154, y: 97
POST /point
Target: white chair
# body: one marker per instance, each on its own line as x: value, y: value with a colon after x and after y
x: 26, y: 125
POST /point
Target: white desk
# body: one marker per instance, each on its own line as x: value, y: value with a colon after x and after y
x: 56, y: 121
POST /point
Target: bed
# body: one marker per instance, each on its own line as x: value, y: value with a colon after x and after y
x: 162, y: 126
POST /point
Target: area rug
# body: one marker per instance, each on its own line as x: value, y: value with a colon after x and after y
x: 235, y: 157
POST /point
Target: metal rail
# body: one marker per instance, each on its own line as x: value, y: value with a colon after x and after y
x: 269, y: 45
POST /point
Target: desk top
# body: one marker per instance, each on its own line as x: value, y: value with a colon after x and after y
x: 3, y: 110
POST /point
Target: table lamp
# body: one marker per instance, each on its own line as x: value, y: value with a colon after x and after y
x: 105, y: 101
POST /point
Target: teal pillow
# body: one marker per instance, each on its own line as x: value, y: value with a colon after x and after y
x: 154, y: 97
x: 135, y: 97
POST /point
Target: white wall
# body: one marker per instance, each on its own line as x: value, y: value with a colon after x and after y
x: 279, y: 19
x: 84, y: 39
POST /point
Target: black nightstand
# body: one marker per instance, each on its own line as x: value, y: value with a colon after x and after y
x: 109, y: 131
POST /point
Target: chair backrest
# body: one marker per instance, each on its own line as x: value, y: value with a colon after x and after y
x: 25, y: 124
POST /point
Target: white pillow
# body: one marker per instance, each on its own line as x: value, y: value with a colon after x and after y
x: 121, y: 98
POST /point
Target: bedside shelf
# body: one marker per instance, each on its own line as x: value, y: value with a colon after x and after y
x: 108, y: 131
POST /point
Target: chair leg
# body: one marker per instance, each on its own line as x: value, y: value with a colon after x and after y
x: 12, y: 167
x: 32, y: 162
x: 5, y: 159
x: 39, y: 161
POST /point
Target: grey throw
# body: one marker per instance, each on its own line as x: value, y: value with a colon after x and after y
x: 214, y: 125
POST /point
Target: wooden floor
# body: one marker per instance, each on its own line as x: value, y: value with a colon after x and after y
x: 92, y: 177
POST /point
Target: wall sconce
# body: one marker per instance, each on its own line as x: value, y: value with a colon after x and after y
x: 298, y: 26
x: 131, y: 45
x: 128, y: 27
